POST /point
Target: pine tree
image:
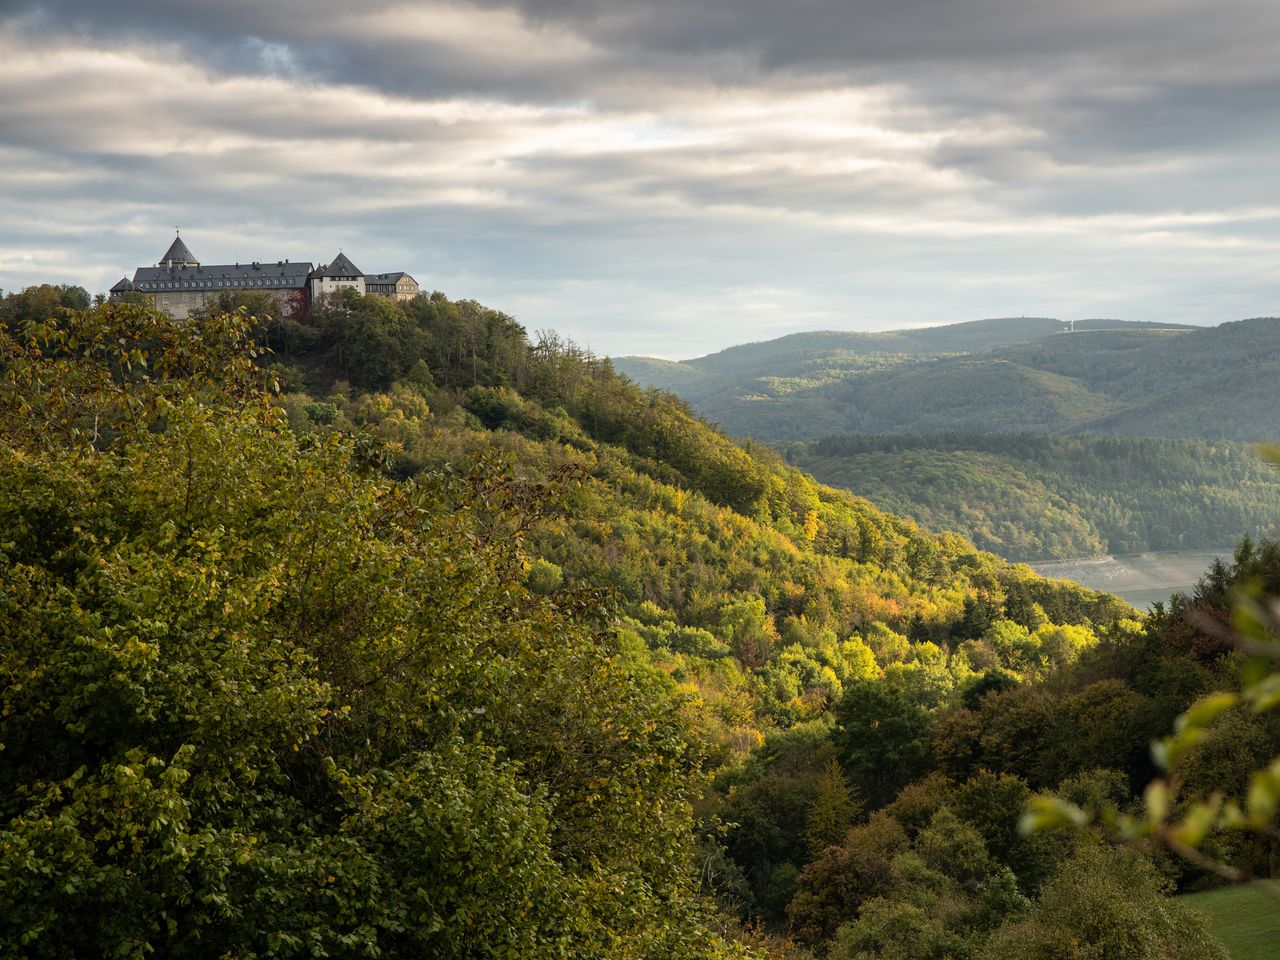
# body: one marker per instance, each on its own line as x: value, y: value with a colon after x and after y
x: 833, y: 809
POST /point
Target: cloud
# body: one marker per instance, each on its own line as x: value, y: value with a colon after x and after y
x: 662, y: 175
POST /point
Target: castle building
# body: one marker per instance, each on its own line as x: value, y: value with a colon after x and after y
x: 401, y: 286
x: 342, y: 274
x: 179, y: 283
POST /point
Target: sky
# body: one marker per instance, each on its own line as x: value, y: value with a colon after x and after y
x: 664, y: 177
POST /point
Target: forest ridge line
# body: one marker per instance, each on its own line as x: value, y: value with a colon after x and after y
x: 996, y: 376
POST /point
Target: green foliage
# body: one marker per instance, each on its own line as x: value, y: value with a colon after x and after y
x: 763, y: 802
x: 789, y: 591
x: 750, y: 631
x: 40, y: 303
x: 1031, y: 497
x: 999, y: 376
x: 834, y: 808
x: 258, y: 700
x: 322, y: 414
x: 543, y: 576
x: 1216, y: 804
x: 882, y: 738
x: 941, y: 898
x: 542, y: 596
x: 259, y: 304
x: 369, y: 340
x: 1106, y: 902
x: 107, y: 375
x: 840, y: 879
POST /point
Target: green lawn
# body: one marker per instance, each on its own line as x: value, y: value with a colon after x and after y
x: 1245, y: 919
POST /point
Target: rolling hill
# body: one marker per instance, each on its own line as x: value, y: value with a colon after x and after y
x: 1024, y: 375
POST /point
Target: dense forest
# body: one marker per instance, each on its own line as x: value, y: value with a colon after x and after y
x: 817, y: 355
x: 1000, y: 376
x: 1033, y: 497
x: 397, y: 633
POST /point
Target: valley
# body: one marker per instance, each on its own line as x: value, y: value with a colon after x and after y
x: 1139, y: 578
x: 1034, y: 441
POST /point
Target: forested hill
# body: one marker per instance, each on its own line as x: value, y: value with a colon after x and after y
x: 788, y: 356
x: 1125, y: 380
x: 416, y: 638
x: 1030, y: 497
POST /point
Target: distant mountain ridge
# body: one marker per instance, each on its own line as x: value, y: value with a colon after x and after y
x: 967, y: 337
x: 1007, y: 375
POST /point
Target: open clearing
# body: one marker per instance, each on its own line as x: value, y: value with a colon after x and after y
x: 1245, y: 919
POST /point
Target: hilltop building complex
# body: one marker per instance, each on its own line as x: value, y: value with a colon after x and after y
x: 179, y: 283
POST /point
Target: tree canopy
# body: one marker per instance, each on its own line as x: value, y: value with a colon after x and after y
x: 259, y: 700
x: 417, y: 636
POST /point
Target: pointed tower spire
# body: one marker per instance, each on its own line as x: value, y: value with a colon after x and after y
x: 178, y: 255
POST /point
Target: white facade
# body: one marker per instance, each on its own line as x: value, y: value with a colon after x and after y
x: 321, y: 286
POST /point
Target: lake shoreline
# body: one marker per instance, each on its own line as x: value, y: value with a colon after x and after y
x: 1139, y: 578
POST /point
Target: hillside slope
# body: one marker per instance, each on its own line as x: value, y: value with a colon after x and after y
x: 421, y: 638
x: 801, y: 359
x: 1216, y: 383
x: 1031, y: 497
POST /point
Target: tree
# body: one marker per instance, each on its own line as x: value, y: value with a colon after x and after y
x: 945, y: 893
x: 833, y: 809
x: 882, y: 738
x: 256, y: 698
x: 836, y: 883
x: 1200, y: 806
x: 1105, y: 902
x: 750, y: 630
x: 371, y: 340
x: 40, y: 303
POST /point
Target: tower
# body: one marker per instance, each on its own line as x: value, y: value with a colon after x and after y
x: 178, y: 255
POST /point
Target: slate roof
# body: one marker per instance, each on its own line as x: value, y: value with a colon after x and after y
x: 178, y: 253
x: 122, y: 286
x: 385, y: 277
x: 341, y: 267
x: 239, y: 276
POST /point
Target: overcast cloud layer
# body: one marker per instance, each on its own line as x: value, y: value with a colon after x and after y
x: 665, y: 177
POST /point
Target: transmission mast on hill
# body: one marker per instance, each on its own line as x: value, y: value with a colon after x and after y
x: 1071, y: 326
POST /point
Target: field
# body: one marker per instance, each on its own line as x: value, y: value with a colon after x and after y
x: 1246, y: 920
